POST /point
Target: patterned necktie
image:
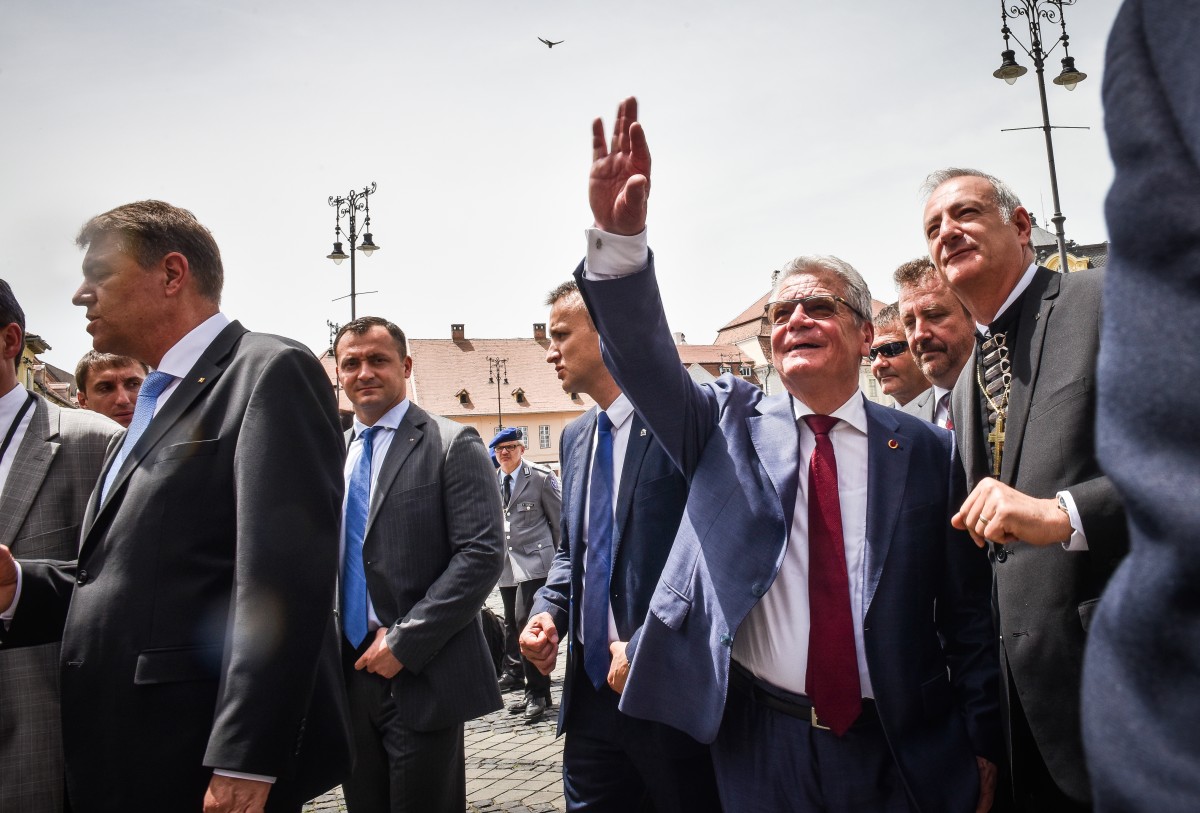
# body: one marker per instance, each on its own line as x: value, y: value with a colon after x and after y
x: 507, y: 489
x: 944, y: 404
x: 598, y: 564
x: 832, y: 681
x: 996, y: 380
x: 143, y: 412
x: 354, y: 579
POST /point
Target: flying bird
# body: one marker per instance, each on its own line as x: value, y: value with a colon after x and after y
x: 550, y: 44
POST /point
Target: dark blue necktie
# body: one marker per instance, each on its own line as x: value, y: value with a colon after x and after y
x: 354, y: 579
x: 599, y: 557
x: 143, y: 412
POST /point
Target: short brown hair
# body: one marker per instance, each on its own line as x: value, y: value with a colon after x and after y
x: 569, y: 290
x: 94, y: 361
x: 364, y: 323
x: 916, y: 273
x: 888, y: 318
x: 148, y: 230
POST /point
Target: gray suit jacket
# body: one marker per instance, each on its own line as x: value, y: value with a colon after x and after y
x: 432, y: 553
x: 533, y: 531
x: 1046, y: 595
x: 53, y: 472
x: 923, y: 406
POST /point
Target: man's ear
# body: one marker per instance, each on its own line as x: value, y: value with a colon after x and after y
x: 177, y: 270
x: 10, y: 342
x: 1020, y: 218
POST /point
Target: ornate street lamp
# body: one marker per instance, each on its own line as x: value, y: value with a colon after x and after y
x: 353, y: 203
x: 1034, y: 12
x: 497, y: 370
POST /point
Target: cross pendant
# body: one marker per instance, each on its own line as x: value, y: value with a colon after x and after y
x: 996, y: 438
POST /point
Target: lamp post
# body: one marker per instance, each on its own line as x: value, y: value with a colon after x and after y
x: 353, y: 203
x: 1034, y: 12
x: 497, y: 369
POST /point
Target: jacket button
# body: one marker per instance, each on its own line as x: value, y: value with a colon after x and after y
x: 758, y: 589
x: 1001, y: 554
x: 726, y: 640
x: 81, y: 577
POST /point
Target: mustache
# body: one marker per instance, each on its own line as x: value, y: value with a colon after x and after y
x: 929, y: 345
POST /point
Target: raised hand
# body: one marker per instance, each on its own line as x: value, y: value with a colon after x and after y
x: 619, y: 184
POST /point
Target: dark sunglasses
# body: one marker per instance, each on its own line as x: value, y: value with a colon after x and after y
x: 889, y: 350
x: 819, y: 307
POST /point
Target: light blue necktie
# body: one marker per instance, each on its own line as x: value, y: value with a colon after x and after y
x: 354, y: 579
x: 599, y: 557
x: 143, y: 412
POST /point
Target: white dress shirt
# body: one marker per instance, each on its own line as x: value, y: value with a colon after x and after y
x: 620, y: 412
x: 10, y: 407
x: 773, y: 640
x: 940, y: 411
x: 382, y: 441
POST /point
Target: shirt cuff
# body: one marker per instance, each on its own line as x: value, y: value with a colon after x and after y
x: 1078, y: 540
x: 614, y: 255
x: 7, y: 615
x: 270, y: 780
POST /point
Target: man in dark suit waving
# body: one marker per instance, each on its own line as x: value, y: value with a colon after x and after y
x: 421, y: 551
x: 199, y: 650
x: 1027, y: 404
x: 834, y: 638
x: 611, y: 761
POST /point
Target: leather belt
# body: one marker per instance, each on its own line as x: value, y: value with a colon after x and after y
x: 745, y: 683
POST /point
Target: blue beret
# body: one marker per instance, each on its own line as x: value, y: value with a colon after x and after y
x: 504, y: 436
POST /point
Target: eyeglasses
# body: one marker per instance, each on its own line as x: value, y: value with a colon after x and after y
x: 889, y: 350
x: 508, y: 447
x: 818, y: 307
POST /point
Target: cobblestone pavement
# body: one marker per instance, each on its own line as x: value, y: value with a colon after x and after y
x: 511, y: 767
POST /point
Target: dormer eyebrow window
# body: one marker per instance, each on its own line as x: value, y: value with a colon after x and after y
x: 463, y: 397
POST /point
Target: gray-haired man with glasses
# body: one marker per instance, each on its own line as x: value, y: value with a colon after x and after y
x: 834, y: 640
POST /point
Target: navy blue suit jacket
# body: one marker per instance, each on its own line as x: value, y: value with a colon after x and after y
x: 938, y: 704
x: 650, y: 503
x: 1141, y: 679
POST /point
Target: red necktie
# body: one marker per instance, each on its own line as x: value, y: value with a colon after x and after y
x: 832, y: 682
x: 945, y: 401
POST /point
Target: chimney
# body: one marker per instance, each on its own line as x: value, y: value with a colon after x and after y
x: 539, y: 331
x: 458, y: 332
x: 679, y: 338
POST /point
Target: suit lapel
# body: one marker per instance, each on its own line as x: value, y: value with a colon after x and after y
x: 575, y: 483
x: 521, y: 477
x: 776, y: 441
x: 199, y: 380
x: 406, y: 437
x: 1026, y: 359
x: 887, y: 470
x: 968, y: 420
x: 30, y: 463
x: 635, y: 451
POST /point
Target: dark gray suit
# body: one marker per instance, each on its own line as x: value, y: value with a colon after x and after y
x: 197, y: 625
x: 53, y: 472
x: 1046, y: 595
x: 924, y: 406
x: 432, y: 553
x: 1141, y: 692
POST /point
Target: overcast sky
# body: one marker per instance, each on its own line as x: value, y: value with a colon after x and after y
x: 776, y: 128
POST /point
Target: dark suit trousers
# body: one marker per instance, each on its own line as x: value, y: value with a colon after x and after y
x: 770, y: 762
x: 398, y: 769
x: 614, y: 763
x: 518, y: 601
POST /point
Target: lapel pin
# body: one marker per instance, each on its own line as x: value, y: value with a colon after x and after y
x: 200, y: 380
x: 643, y: 434
x: 892, y: 444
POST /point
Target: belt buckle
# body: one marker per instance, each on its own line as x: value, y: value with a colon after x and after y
x: 813, y: 719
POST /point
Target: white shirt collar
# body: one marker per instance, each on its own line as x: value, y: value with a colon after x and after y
x: 183, y: 355
x: 10, y: 403
x: 1018, y: 289
x: 853, y: 412
x: 390, y: 420
x: 619, y: 411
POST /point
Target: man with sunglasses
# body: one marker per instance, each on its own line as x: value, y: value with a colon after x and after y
x: 834, y: 639
x: 892, y: 365
x: 532, y: 500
